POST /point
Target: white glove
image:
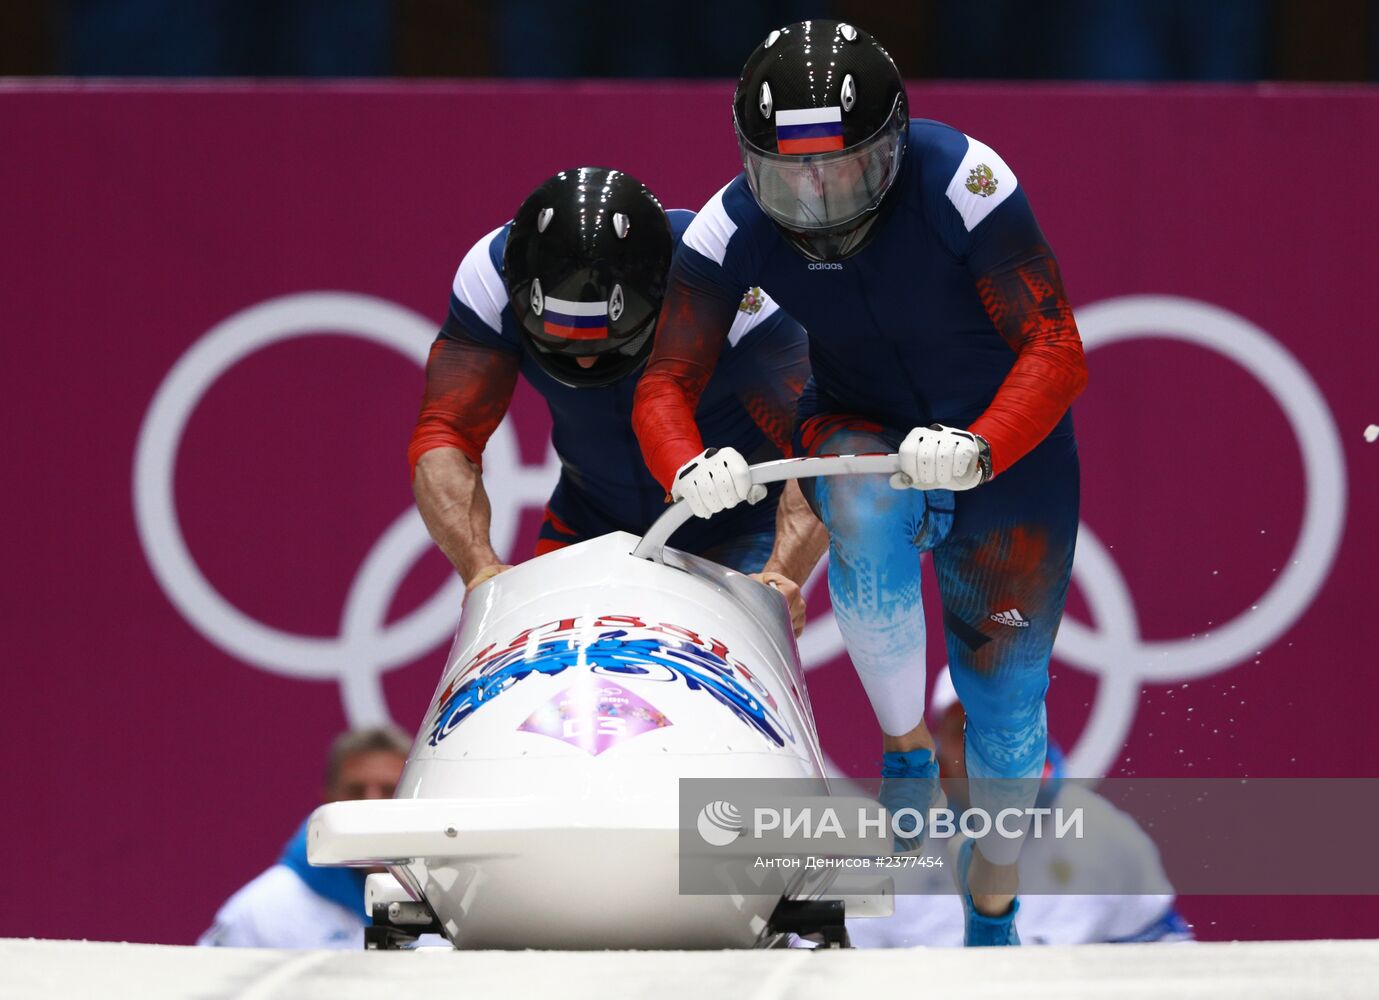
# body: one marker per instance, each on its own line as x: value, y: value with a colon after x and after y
x: 715, y: 480
x: 942, y: 458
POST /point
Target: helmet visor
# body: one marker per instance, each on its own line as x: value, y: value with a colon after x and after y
x: 826, y: 190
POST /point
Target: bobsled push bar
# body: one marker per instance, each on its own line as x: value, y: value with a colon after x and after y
x: 653, y: 543
x: 802, y: 916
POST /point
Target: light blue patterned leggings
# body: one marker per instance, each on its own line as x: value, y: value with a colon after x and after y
x: 1002, y: 554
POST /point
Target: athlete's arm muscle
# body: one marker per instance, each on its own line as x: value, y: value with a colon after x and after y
x: 450, y: 495
x: 468, y: 388
x: 801, y: 538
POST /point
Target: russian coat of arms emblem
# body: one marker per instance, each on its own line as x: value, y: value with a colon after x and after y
x: 981, y: 182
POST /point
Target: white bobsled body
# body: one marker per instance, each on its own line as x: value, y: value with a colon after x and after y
x: 539, y: 807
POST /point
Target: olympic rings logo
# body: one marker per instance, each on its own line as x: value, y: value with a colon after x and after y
x: 366, y: 646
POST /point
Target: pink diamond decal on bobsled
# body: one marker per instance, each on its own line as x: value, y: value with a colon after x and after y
x: 595, y: 716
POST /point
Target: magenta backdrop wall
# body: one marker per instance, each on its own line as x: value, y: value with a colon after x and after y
x: 152, y: 765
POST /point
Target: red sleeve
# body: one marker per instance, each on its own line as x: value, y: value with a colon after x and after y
x: 1026, y: 302
x: 689, y: 337
x: 468, y: 388
x: 768, y: 368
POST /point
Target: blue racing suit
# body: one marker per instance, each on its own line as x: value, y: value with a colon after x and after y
x: 954, y: 313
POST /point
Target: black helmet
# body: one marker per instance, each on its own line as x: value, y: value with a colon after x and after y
x: 585, y: 265
x: 821, y: 121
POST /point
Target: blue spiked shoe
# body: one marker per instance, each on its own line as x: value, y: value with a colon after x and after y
x: 979, y: 930
x: 909, y: 779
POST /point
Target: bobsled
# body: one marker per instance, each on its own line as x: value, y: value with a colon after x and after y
x: 539, y: 805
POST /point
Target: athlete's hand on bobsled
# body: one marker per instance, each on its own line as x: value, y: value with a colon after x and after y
x: 715, y: 480
x: 942, y: 458
x: 790, y: 590
x: 487, y: 573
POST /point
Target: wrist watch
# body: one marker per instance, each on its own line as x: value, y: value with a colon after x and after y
x: 983, y: 456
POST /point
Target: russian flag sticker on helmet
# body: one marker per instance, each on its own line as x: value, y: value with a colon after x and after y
x: 809, y: 130
x: 575, y: 320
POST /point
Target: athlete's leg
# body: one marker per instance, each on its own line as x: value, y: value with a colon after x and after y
x: 876, y: 535
x: 1003, y: 578
x: 874, y: 573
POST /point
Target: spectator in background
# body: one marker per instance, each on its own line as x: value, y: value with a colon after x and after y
x: 1115, y: 887
x: 293, y: 905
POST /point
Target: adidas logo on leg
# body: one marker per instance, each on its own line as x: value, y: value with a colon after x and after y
x: 1013, y: 618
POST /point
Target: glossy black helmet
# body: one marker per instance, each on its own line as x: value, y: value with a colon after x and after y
x: 821, y: 121
x: 585, y: 265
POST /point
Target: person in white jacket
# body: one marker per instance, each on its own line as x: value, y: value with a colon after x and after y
x: 1113, y: 888
x: 292, y: 904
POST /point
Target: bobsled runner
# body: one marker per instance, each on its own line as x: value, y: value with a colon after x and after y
x: 539, y: 806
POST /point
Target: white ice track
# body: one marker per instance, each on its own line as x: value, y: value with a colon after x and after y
x: 1284, y: 969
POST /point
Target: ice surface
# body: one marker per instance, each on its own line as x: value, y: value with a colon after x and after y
x: 1330, y: 969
